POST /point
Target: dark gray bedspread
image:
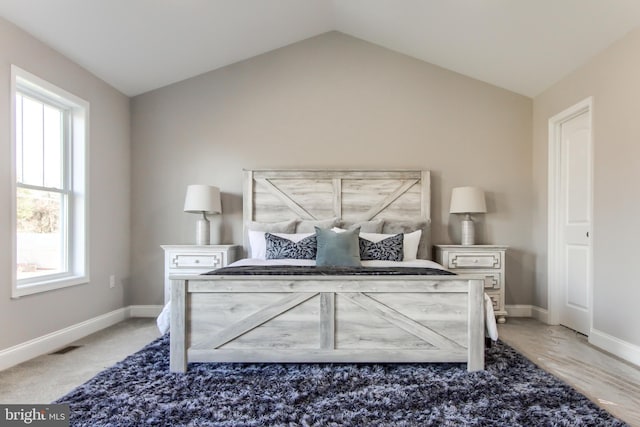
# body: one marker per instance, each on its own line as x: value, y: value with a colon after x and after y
x: 296, y: 270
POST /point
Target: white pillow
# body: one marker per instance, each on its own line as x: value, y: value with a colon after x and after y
x: 258, y: 243
x: 410, y: 242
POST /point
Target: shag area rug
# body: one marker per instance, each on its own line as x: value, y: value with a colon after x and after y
x: 512, y: 391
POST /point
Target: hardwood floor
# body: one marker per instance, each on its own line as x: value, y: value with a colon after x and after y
x: 610, y: 382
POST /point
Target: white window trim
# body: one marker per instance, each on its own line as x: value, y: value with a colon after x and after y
x: 80, y: 176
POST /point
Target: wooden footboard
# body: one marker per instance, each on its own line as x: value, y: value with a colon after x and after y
x: 346, y: 319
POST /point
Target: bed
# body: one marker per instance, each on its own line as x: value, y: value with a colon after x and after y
x: 335, y: 317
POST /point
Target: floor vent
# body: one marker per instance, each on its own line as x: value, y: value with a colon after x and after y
x: 67, y: 349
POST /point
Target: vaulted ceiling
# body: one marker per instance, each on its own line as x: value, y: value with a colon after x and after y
x: 140, y: 45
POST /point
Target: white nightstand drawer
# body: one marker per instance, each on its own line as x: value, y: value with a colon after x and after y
x: 474, y: 260
x: 492, y: 280
x: 213, y: 260
x: 195, y: 259
x: 495, y: 300
x: 486, y: 261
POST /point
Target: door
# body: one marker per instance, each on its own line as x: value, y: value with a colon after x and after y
x: 574, y: 220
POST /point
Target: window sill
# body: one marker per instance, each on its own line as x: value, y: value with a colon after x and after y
x: 47, y: 285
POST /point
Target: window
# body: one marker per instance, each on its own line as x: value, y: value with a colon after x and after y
x: 49, y: 132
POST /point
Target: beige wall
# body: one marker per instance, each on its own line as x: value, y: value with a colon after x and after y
x: 613, y: 79
x: 36, y: 315
x: 332, y: 101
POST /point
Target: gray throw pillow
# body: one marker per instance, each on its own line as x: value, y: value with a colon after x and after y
x: 373, y: 226
x: 338, y: 249
x: 308, y: 225
x: 403, y: 226
x: 288, y: 227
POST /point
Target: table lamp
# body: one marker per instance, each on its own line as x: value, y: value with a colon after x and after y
x: 467, y: 200
x: 202, y: 199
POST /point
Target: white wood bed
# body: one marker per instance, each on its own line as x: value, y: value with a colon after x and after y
x: 304, y: 319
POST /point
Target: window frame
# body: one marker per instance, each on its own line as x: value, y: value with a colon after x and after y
x: 76, y: 157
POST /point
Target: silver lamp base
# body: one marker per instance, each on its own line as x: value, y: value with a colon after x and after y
x: 203, y: 231
x: 468, y: 233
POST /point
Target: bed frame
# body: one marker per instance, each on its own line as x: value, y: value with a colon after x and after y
x: 344, y: 319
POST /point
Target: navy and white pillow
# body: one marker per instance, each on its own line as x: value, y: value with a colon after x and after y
x: 389, y: 249
x: 281, y: 248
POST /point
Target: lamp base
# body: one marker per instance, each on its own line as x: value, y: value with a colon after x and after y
x: 203, y: 232
x: 468, y: 233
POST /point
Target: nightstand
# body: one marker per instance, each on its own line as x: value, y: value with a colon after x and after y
x: 193, y: 259
x: 485, y: 260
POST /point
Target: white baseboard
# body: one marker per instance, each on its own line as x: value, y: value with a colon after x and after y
x: 144, y: 310
x: 526, y: 310
x: 518, y: 310
x: 539, y: 313
x: 58, y: 339
x: 616, y: 346
x: 55, y: 340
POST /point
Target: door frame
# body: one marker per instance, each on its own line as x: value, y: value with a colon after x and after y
x: 554, y: 294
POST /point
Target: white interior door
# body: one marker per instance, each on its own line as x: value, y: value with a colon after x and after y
x: 574, y: 217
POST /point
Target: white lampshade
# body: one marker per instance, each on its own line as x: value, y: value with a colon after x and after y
x: 202, y: 199
x: 467, y: 200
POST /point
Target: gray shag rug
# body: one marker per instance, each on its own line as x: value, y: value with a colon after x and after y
x: 512, y: 391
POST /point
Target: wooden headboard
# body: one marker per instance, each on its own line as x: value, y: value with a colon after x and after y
x: 352, y: 195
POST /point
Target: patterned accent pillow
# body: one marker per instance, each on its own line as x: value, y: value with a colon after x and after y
x: 281, y: 248
x: 389, y: 249
x: 410, y: 242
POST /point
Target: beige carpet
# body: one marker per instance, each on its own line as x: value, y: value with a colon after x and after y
x: 48, y: 377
